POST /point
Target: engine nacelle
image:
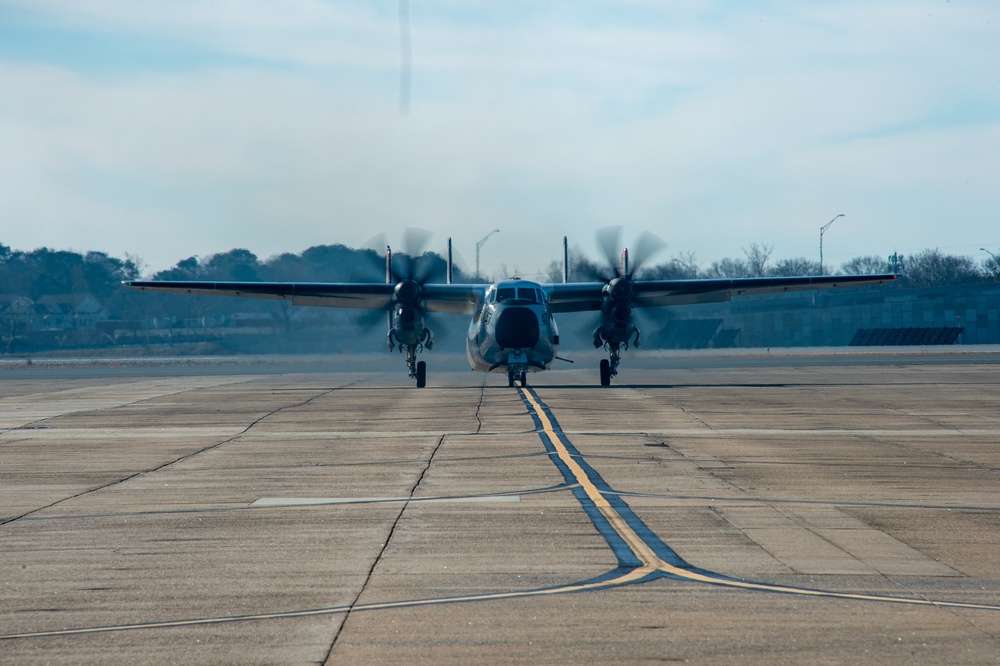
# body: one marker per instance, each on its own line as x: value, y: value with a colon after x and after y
x: 407, y: 292
x: 408, y: 327
x: 617, y: 324
x: 620, y: 290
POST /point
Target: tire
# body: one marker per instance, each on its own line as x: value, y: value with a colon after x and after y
x: 524, y: 378
x: 510, y: 378
x: 605, y: 372
x: 421, y: 374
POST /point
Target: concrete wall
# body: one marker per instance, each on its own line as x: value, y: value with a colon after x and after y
x: 832, y: 317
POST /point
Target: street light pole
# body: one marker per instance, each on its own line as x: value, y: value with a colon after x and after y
x: 995, y: 257
x: 479, y: 246
x: 822, y: 230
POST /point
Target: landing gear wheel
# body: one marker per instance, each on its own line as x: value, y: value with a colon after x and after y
x: 421, y: 374
x: 524, y: 378
x: 605, y: 372
x: 510, y: 378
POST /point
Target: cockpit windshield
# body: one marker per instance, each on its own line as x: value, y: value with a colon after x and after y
x: 527, y: 294
x: 519, y: 295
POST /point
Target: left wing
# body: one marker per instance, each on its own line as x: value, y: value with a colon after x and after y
x: 452, y: 298
x: 586, y: 296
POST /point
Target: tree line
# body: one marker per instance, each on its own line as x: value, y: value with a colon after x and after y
x: 60, y: 289
x: 928, y: 268
x: 45, y: 271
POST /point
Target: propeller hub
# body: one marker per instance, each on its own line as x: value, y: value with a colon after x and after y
x: 621, y: 289
x: 407, y: 292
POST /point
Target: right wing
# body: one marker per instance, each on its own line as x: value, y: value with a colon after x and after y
x: 587, y: 296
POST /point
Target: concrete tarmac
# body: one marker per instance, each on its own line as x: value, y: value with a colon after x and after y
x: 814, y: 510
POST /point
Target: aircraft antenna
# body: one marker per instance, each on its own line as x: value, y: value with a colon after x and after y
x: 565, y: 260
x: 450, y: 274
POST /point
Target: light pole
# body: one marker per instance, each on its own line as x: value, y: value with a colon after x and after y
x: 995, y: 257
x: 479, y: 246
x: 822, y: 230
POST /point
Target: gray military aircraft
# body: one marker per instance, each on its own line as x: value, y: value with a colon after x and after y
x: 512, y: 328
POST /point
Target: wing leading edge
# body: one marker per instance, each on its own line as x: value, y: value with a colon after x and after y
x: 453, y: 298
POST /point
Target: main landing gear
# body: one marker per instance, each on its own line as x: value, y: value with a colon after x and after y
x: 609, y: 366
x: 513, y: 376
x: 418, y: 369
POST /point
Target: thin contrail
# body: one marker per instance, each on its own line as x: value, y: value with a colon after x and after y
x: 404, y: 57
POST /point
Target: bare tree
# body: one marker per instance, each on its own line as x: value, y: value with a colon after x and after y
x: 729, y: 268
x: 554, y: 273
x: 991, y: 269
x: 871, y: 264
x: 757, y: 256
x: 796, y: 266
x: 932, y: 268
x: 684, y: 266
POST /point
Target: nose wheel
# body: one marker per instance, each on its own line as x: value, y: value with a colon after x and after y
x: 513, y: 376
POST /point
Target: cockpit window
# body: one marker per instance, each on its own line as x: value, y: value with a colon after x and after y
x: 515, y: 295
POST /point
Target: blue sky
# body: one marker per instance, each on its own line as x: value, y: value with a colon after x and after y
x: 172, y: 129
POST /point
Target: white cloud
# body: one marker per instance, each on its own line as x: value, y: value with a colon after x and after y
x: 713, y: 127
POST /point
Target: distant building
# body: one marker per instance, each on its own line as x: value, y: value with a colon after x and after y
x: 68, y: 312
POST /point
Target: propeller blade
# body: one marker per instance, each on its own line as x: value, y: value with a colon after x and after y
x: 647, y: 245
x: 374, y: 260
x: 369, y: 319
x: 423, y: 268
x: 408, y: 266
x: 609, y: 243
x: 437, y: 326
x: 415, y: 240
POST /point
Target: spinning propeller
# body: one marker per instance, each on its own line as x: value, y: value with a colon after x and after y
x: 617, y: 327
x: 405, y: 307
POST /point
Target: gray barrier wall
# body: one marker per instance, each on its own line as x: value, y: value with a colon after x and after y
x: 832, y: 317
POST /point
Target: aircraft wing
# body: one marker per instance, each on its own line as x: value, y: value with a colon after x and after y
x: 585, y: 296
x: 452, y: 298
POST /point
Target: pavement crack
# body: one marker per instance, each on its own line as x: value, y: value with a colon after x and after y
x: 151, y: 470
x: 693, y: 416
x: 479, y: 408
x: 382, y: 550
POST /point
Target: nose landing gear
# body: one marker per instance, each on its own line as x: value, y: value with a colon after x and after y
x: 513, y: 375
x: 418, y: 369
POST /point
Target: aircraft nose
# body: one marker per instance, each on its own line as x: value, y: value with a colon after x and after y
x: 517, y: 328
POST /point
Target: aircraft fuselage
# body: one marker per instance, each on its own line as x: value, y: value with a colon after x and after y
x: 512, y: 330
